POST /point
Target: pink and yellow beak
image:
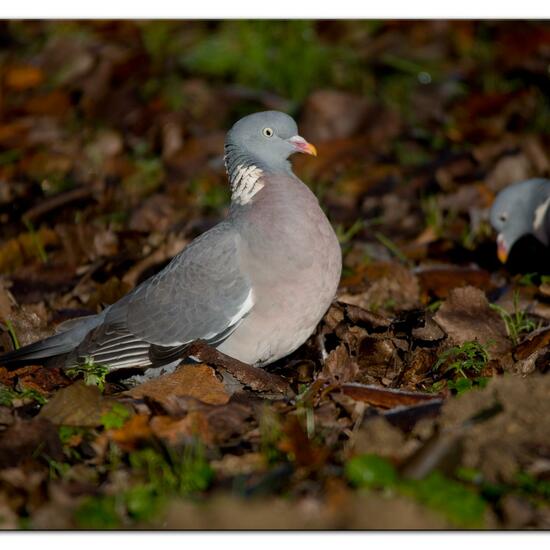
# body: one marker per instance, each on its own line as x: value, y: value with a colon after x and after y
x: 502, y: 249
x: 302, y: 146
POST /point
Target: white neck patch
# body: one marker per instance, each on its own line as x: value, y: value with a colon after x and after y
x: 538, y: 223
x: 245, y: 183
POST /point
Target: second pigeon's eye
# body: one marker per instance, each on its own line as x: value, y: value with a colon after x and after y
x: 267, y: 132
x: 503, y: 217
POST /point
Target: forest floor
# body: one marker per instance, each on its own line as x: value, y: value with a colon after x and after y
x: 423, y: 398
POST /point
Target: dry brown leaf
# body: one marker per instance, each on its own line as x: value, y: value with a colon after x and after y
x: 385, y: 397
x: 439, y: 281
x: 56, y: 103
x: 23, y: 77
x: 15, y: 251
x: 198, y: 381
x: 177, y: 431
x: 30, y: 322
x: 135, y: 430
x: 392, y: 285
x: 77, y: 405
x: 25, y: 439
x: 303, y: 450
x: 466, y: 316
x: 339, y: 366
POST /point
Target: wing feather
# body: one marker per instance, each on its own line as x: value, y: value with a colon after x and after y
x: 202, y: 294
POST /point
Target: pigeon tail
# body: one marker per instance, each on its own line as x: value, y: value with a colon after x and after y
x: 58, y: 344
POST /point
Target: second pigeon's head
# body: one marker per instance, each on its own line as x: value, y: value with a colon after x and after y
x: 520, y: 210
x: 266, y: 140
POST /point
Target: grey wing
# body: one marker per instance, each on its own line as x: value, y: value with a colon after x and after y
x: 201, y: 294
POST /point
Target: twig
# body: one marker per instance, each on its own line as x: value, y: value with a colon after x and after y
x: 57, y: 201
x: 385, y: 397
x: 253, y: 377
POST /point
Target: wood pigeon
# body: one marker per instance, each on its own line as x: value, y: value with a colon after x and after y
x: 254, y: 286
x: 521, y: 209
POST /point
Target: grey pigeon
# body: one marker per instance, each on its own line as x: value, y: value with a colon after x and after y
x: 521, y: 209
x: 254, y: 286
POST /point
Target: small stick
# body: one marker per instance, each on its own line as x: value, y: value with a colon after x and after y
x: 57, y: 201
x: 253, y: 377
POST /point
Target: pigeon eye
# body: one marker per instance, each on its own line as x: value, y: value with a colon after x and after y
x: 267, y: 132
x: 503, y: 217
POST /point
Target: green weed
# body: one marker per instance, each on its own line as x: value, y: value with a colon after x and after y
x: 517, y: 323
x: 392, y: 247
x: 460, y: 505
x: 116, y: 417
x: 163, y: 475
x: 463, y: 363
x: 345, y: 235
x: 98, y: 513
x: 461, y: 385
x: 370, y: 471
x: 40, y: 250
x: 66, y: 434
x: 530, y: 279
x: 270, y: 435
x: 432, y: 214
x: 93, y: 373
x: 8, y: 396
x: 298, y: 60
x: 469, y: 358
x: 13, y: 334
x: 525, y: 485
x: 182, y: 474
x: 56, y: 469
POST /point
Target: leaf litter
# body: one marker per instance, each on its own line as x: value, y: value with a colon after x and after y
x: 421, y: 400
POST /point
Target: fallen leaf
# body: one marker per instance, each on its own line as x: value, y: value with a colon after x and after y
x: 23, y: 77
x: 180, y: 430
x: 439, y: 281
x: 54, y: 103
x: 466, y: 316
x: 339, y: 366
x: 16, y: 251
x: 77, y: 405
x: 391, y: 286
x: 536, y: 340
x: 135, y: 430
x: 257, y: 379
x: 25, y: 439
x: 302, y: 450
x: 384, y: 397
x: 198, y: 381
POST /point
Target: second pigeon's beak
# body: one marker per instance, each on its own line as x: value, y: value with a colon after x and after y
x: 502, y: 249
x: 302, y: 146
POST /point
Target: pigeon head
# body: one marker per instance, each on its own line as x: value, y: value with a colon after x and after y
x: 268, y: 138
x: 520, y: 210
x: 257, y: 145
